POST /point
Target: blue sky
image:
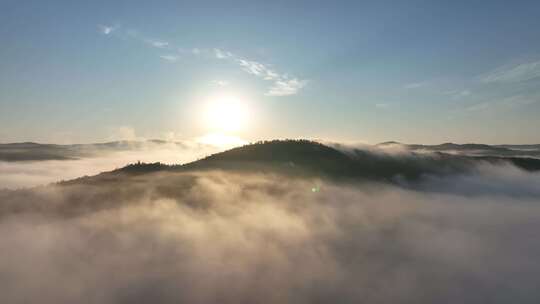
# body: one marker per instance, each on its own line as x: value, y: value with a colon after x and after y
x: 370, y: 71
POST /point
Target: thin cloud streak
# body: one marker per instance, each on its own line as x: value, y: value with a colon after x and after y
x: 286, y: 87
x: 170, y: 58
x: 507, y: 103
x: 283, y: 84
x: 222, y: 54
x: 158, y: 44
x: 513, y: 74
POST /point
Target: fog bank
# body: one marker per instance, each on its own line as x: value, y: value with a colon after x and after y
x: 244, y: 238
x: 15, y: 175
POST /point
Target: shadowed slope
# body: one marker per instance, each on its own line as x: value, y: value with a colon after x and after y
x: 307, y: 158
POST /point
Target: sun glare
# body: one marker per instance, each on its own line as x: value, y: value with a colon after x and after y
x: 226, y: 114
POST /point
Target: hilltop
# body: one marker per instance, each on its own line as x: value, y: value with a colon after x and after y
x: 309, y: 158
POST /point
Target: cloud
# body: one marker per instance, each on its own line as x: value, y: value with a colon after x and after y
x: 503, y: 180
x: 171, y: 58
x: 253, y: 67
x: 283, y: 84
x: 513, y: 73
x: 239, y: 238
x: 106, y: 30
x: 220, y: 54
x: 260, y: 70
x: 94, y: 160
x: 285, y: 87
x: 158, y: 44
x: 507, y: 103
x: 382, y: 105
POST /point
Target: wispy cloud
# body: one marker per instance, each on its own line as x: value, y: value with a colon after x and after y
x: 158, y: 44
x: 382, y: 105
x: 136, y: 35
x: 283, y: 84
x: 286, y: 87
x: 508, y: 103
x: 252, y: 67
x: 220, y: 54
x: 513, y: 73
x: 258, y: 69
x: 171, y: 58
x: 106, y: 30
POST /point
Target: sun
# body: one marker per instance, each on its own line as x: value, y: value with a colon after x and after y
x: 226, y: 114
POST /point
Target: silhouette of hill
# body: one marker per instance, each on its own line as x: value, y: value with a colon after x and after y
x: 29, y: 151
x: 279, y: 158
x: 308, y: 158
x: 297, y: 158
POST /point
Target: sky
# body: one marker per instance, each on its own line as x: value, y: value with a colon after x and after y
x: 354, y: 71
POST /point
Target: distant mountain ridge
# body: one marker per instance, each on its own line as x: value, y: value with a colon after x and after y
x: 320, y: 158
x: 531, y: 150
x: 30, y: 151
x: 308, y: 158
x: 302, y: 158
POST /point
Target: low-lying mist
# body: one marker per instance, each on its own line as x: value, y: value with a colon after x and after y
x: 20, y: 174
x: 212, y: 237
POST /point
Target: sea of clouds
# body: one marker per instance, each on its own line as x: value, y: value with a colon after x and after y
x: 228, y: 237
